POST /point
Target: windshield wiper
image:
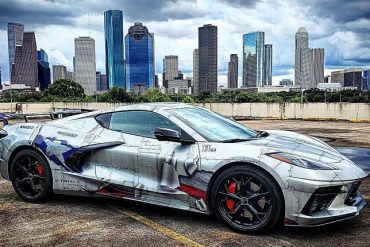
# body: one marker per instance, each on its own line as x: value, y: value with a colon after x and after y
x: 237, y: 140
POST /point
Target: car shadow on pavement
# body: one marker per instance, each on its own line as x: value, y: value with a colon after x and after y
x: 174, y: 218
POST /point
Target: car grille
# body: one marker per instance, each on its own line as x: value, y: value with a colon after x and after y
x: 321, y: 199
x: 352, y: 193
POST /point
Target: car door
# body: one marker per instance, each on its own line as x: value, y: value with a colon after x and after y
x: 156, y: 165
x: 116, y: 165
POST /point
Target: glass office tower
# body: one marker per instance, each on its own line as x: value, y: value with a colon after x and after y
x: 267, y: 78
x: 253, y: 59
x: 114, y: 54
x: 139, y: 58
x: 43, y: 69
x: 366, y: 80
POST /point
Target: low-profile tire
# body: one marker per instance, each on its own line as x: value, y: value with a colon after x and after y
x: 31, y: 176
x: 247, y: 199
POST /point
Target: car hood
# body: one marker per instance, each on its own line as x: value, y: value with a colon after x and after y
x: 302, y: 146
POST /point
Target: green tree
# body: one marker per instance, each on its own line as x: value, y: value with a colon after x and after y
x: 114, y: 95
x: 152, y: 95
x: 188, y: 99
x: 65, y: 88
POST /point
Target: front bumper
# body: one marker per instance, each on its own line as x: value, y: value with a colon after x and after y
x: 331, y: 215
x: 347, y: 203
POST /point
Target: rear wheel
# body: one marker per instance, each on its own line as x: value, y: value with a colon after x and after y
x: 246, y: 199
x: 31, y: 176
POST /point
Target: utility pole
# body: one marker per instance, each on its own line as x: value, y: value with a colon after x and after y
x: 301, y: 95
x: 11, y: 97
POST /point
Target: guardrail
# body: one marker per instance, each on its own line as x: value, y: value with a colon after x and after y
x: 356, y: 112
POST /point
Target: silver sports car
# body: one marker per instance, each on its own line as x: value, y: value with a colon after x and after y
x: 184, y: 157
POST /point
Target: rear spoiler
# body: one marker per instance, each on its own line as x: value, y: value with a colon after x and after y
x: 27, y: 116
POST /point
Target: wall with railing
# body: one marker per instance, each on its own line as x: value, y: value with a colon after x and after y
x: 307, y: 111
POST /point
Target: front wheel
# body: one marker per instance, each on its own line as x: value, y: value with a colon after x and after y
x: 247, y: 199
x: 31, y: 176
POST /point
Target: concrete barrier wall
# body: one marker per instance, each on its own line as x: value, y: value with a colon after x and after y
x: 314, y: 111
x: 7, y: 107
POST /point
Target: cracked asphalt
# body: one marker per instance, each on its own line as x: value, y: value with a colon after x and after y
x: 76, y: 221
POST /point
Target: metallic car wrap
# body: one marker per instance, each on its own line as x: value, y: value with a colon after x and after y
x: 88, y: 159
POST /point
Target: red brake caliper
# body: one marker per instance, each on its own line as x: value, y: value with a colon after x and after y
x: 39, y: 169
x: 230, y: 203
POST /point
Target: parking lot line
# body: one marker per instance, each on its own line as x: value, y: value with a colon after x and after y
x: 159, y: 228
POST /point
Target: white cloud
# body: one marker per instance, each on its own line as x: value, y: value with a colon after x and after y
x: 178, y: 34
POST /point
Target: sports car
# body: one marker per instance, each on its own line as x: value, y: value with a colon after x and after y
x: 184, y: 157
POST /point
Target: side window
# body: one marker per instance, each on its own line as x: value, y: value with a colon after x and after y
x: 142, y: 123
x: 104, y: 119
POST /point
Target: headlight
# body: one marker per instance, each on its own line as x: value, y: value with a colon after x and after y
x: 293, y: 160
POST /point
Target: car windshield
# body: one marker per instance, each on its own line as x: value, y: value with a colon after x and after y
x: 213, y: 126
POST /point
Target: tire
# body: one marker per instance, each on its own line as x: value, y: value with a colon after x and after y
x: 31, y: 176
x: 247, y: 199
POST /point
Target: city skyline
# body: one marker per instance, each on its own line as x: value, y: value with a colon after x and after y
x: 176, y: 25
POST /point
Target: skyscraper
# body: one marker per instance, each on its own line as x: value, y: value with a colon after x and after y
x: 170, y: 69
x: 351, y: 77
x: 309, y: 63
x: 196, y: 71
x: 24, y: 70
x: 101, y: 81
x: 15, y: 38
x: 267, y: 78
x: 302, y: 59
x: 84, y: 64
x: 139, y: 58
x: 232, y: 74
x: 98, y: 80
x: 43, y: 69
x: 366, y: 80
x: 316, y: 66
x: 0, y: 76
x: 253, y: 59
x: 207, y: 45
x: 59, y: 72
x: 114, y: 53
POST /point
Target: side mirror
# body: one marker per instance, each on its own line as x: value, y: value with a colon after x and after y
x: 163, y: 134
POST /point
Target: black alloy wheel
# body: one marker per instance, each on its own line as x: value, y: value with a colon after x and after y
x: 247, y: 199
x: 31, y: 176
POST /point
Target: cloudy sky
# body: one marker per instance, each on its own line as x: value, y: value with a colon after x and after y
x: 342, y: 27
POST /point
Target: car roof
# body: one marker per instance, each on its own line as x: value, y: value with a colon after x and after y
x: 140, y: 106
x: 152, y: 106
